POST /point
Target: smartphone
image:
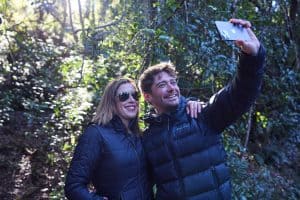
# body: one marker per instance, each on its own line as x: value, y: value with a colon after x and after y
x: 230, y: 31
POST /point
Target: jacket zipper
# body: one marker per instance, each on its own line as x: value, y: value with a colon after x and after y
x: 216, y: 181
x: 139, y: 165
x: 176, y: 165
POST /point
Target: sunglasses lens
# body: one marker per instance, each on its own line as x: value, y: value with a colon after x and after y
x: 125, y: 95
x: 135, y: 95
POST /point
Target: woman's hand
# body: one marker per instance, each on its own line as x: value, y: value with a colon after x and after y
x: 193, y: 108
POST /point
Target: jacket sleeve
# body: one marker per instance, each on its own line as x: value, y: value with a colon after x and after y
x: 86, y: 156
x: 236, y: 98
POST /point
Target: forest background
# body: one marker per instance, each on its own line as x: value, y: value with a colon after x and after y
x: 56, y: 56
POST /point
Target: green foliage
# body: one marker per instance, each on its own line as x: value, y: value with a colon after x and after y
x: 52, y: 75
x: 251, y: 176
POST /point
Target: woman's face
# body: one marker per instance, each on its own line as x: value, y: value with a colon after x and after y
x: 127, y: 102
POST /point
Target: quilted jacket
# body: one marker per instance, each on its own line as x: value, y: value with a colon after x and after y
x: 113, y: 161
x: 186, y: 155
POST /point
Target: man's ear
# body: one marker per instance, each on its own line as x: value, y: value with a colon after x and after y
x: 147, y: 97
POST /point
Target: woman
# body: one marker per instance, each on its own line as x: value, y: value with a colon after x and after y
x: 109, y: 154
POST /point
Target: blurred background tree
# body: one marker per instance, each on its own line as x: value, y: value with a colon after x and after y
x: 56, y: 57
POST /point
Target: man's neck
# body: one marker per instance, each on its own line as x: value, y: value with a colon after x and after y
x: 165, y: 111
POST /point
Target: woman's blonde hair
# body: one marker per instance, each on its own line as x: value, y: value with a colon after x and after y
x: 106, y: 108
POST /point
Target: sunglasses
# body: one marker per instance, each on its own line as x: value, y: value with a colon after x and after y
x: 125, y: 95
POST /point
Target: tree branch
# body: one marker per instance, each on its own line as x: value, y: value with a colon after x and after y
x: 81, y: 19
x: 71, y: 21
x: 290, y: 30
x: 249, y: 126
x: 186, y: 12
x: 234, y: 8
x: 108, y: 24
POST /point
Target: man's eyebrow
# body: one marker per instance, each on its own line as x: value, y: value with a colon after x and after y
x: 171, y: 80
x: 160, y: 82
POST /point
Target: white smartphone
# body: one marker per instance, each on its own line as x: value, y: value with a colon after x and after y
x: 230, y: 31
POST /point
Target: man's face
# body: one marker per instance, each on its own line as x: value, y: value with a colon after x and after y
x: 164, y: 93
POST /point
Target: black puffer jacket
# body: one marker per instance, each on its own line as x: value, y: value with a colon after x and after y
x: 113, y: 161
x: 186, y: 155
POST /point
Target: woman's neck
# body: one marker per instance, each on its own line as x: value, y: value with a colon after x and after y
x: 126, y: 124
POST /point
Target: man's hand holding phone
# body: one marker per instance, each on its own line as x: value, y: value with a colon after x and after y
x: 241, y: 33
x: 251, y: 46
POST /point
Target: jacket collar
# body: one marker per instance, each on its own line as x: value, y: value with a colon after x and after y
x: 117, y: 124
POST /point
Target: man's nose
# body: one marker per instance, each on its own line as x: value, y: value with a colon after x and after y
x: 170, y: 86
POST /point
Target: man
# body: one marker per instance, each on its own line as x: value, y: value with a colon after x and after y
x: 186, y: 155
